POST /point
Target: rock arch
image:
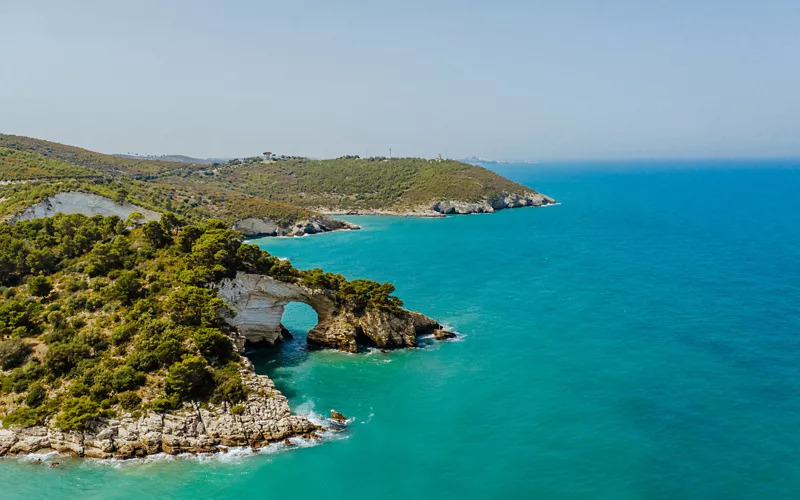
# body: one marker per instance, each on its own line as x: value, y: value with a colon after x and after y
x: 259, y: 302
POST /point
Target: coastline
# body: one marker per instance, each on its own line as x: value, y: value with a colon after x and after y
x: 443, y: 208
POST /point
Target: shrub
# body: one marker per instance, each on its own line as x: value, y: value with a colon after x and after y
x: 55, y: 318
x: 59, y: 334
x: 189, y: 379
x: 169, y: 352
x: 13, y: 353
x: 166, y: 404
x: 155, y: 234
x: 94, y: 338
x: 36, y: 395
x: 213, y: 344
x: 126, y: 288
x: 61, y: 358
x: 231, y: 390
x: 39, y: 286
x: 21, y: 378
x: 23, y: 417
x: 123, y: 333
x: 77, y: 412
x: 194, y: 306
x: 143, y: 361
x: 129, y: 400
x: 18, y: 317
x: 237, y: 410
x: 126, y: 378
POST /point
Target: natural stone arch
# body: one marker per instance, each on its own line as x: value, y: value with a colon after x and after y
x: 259, y: 302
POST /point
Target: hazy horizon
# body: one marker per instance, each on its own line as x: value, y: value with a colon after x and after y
x: 501, y: 80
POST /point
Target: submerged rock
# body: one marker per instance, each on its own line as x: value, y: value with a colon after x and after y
x: 440, y: 334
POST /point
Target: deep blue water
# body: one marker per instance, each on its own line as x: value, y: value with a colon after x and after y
x: 641, y: 340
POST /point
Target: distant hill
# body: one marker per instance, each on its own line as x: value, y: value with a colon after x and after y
x: 356, y: 184
x: 172, y: 158
x: 283, y: 189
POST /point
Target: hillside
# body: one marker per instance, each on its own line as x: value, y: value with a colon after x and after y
x: 363, y: 184
x: 19, y: 165
x: 108, y: 164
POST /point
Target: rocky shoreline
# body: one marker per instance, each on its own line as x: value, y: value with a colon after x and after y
x: 444, y: 208
x: 254, y: 227
x: 262, y: 419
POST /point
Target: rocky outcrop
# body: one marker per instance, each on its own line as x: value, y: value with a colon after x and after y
x: 254, y: 227
x: 259, y: 302
x: 76, y: 202
x: 489, y: 205
x: 262, y: 419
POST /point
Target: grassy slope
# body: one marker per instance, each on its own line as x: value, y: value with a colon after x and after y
x: 355, y: 183
x: 19, y: 165
x: 102, y: 162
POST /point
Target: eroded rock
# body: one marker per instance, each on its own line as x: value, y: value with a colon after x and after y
x: 259, y: 302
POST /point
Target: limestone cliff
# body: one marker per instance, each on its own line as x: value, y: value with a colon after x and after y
x: 76, y: 202
x: 489, y: 205
x: 442, y: 208
x: 254, y: 227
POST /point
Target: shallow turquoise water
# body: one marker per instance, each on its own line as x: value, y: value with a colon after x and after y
x: 638, y: 341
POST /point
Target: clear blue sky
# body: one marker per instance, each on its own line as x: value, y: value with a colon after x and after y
x: 500, y: 79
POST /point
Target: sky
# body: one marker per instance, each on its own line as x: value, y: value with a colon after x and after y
x: 496, y: 79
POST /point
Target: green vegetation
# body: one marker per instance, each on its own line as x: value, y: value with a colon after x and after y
x: 19, y: 165
x: 354, y: 183
x: 108, y: 164
x: 102, y: 317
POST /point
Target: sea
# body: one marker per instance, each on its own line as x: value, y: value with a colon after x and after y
x: 638, y: 340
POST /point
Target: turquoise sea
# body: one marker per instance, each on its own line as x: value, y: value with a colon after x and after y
x: 641, y: 340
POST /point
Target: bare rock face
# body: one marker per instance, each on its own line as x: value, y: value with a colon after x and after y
x: 76, y: 202
x: 254, y: 227
x: 489, y: 205
x: 265, y: 418
x: 259, y: 302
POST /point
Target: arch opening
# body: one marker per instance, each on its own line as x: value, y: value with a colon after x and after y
x: 279, y: 360
x: 298, y: 318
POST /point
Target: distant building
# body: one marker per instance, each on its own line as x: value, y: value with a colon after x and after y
x: 438, y: 157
